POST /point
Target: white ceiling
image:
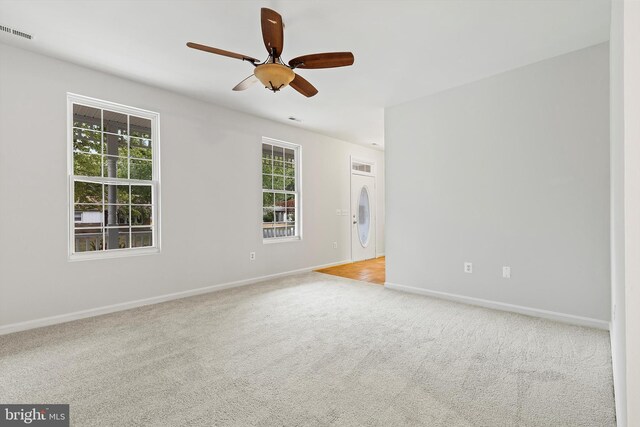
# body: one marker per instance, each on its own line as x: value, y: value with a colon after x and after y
x: 403, y: 49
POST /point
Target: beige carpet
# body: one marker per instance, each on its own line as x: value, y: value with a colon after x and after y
x: 313, y: 350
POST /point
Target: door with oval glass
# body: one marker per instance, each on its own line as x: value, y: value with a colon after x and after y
x: 363, y: 217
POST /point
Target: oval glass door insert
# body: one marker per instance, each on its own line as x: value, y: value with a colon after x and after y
x: 364, y: 217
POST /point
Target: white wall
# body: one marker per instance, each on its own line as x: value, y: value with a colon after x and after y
x: 211, y: 195
x: 617, y: 209
x: 631, y: 42
x: 625, y: 189
x: 510, y: 170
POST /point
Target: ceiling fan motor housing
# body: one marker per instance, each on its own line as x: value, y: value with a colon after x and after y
x: 274, y: 76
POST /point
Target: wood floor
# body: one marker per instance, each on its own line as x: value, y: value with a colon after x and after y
x: 372, y: 270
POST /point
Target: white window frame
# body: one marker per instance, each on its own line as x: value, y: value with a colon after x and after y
x: 155, y: 181
x: 298, y: 156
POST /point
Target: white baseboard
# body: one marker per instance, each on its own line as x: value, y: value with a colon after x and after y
x: 77, y: 315
x: 528, y: 311
x: 380, y: 254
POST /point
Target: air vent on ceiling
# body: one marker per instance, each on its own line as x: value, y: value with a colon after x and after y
x: 16, y: 32
x: 21, y: 34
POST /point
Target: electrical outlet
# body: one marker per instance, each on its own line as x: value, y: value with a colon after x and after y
x: 468, y: 267
x: 506, y: 272
x: 252, y: 256
x: 338, y: 212
x: 335, y: 245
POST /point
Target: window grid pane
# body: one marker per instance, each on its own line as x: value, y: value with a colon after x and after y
x: 107, y: 215
x: 100, y: 225
x: 279, y: 191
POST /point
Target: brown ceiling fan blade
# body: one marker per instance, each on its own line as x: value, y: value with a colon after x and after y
x: 303, y: 86
x: 272, y: 31
x: 246, y: 83
x: 221, y: 52
x: 323, y: 60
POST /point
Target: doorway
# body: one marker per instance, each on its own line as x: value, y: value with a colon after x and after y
x: 364, y: 265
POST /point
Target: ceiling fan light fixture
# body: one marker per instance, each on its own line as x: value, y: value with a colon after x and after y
x: 274, y: 76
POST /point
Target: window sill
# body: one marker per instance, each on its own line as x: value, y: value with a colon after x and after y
x: 118, y: 253
x: 281, y: 240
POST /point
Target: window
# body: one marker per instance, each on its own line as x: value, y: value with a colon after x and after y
x: 362, y: 167
x: 114, y: 179
x: 280, y: 191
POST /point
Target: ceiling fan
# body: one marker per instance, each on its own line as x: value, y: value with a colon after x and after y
x: 273, y: 73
